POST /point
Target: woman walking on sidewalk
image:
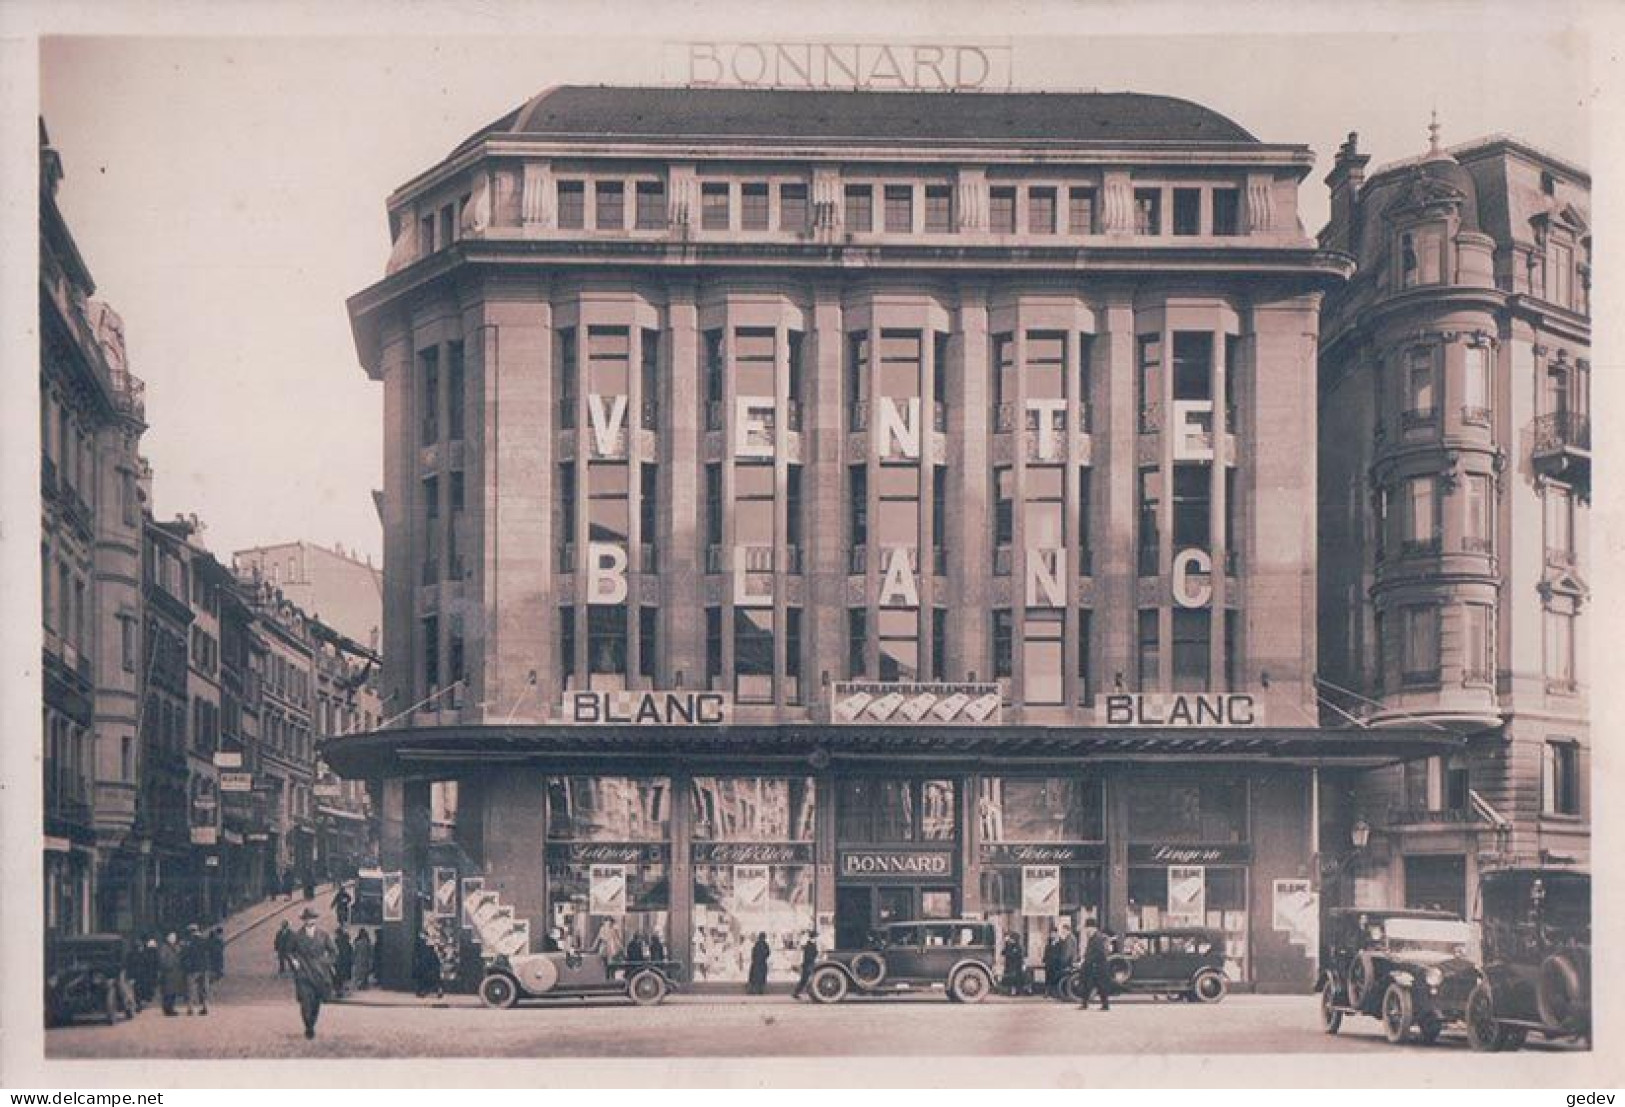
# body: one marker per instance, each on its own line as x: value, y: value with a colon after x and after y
x: 363, y: 960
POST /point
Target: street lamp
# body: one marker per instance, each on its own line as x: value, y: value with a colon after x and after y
x: 1360, y: 835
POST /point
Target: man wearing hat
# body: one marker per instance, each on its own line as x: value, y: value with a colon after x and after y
x: 195, y: 961
x: 311, y: 954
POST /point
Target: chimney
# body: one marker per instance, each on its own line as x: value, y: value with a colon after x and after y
x: 1345, y: 180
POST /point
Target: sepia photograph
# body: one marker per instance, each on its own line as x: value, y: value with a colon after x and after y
x: 987, y: 541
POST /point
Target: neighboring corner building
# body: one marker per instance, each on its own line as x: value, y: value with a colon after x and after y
x: 935, y: 464
x: 92, y: 416
x: 1455, y: 465
x: 342, y: 590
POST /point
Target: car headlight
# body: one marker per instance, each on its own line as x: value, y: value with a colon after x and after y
x: 1434, y: 978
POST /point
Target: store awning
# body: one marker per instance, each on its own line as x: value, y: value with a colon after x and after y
x: 435, y: 751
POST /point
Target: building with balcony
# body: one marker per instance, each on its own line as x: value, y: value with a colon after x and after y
x: 829, y: 508
x: 91, y: 420
x: 1455, y: 467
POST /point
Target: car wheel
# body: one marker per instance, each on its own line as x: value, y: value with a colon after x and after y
x: 1209, y: 987
x: 828, y: 985
x: 646, y: 988
x: 1559, y: 996
x: 1331, y: 1019
x: 1397, y: 1013
x: 1120, y: 969
x: 1072, y: 987
x: 1359, y: 981
x: 1484, y: 1034
x: 498, y: 990
x: 869, y: 969
x: 970, y: 985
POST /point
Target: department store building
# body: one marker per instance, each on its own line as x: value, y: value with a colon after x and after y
x: 822, y: 508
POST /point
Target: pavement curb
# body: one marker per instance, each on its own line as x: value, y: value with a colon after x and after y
x: 255, y: 924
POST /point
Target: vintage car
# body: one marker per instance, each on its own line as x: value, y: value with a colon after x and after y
x: 956, y: 955
x: 84, y: 976
x: 566, y: 975
x: 1535, y: 927
x: 1409, y: 969
x: 1186, y: 963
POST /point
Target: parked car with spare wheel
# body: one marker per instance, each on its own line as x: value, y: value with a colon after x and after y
x: 84, y: 975
x: 1409, y: 969
x: 569, y: 975
x: 1535, y: 929
x: 1179, y: 962
x: 955, y: 955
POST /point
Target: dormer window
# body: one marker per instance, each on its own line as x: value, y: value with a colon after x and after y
x: 1407, y: 261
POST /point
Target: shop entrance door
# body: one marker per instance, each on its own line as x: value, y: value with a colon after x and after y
x: 863, y: 908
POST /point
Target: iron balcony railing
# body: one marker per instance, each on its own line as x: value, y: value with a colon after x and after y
x: 1561, y: 430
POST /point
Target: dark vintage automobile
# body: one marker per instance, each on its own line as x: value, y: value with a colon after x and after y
x: 956, y: 955
x: 564, y: 975
x: 84, y: 975
x: 1185, y: 963
x: 1535, y: 929
x: 1409, y: 969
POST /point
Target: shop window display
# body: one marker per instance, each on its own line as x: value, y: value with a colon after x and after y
x: 1040, y: 809
x: 888, y: 810
x: 1004, y: 903
x: 1209, y: 812
x: 608, y: 857
x: 734, y: 903
x: 1161, y: 896
x: 753, y: 873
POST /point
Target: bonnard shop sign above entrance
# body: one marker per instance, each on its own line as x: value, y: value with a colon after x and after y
x: 902, y: 863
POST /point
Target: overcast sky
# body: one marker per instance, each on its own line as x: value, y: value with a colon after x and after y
x: 228, y: 194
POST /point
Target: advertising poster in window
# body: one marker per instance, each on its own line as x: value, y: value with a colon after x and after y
x: 472, y: 886
x: 750, y: 889
x: 394, y: 898
x: 445, y: 893
x: 1187, y: 895
x: 1041, y: 890
x: 606, y: 890
x: 1297, y: 911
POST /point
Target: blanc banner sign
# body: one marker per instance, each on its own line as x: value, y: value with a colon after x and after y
x: 646, y: 708
x: 1179, y: 709
x: 917, y: 704
x: 861, y: 66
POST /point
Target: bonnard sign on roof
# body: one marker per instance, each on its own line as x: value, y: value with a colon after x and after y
x: 861, y: 66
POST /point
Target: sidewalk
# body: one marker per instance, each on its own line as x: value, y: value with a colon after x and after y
x: 250, y: 918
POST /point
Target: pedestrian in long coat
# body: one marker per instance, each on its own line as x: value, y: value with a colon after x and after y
x: 1014, y: 969
x: 809, y: 958
x: 657, y: 948
x: 378, y: 956
x: 1096, y: 972
x: 171, y: 973
x: 311, y: 953
x: 426, y: 968
x: 363, y: 960
x: 609, y: 942
x: 145, y: 971
x: 341, y: 906
x: 284, y: 935
x: 343, y: 961
x: 1053, y: 966
x: 759, y: 953
x: 217, y: 953
x: 195, y: 960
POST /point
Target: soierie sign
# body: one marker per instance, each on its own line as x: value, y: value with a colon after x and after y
x: 918, y: 67
x: 646, y: 708
x: 1179, y: 709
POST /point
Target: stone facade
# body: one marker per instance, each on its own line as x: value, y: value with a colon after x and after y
x: 1455, y: 464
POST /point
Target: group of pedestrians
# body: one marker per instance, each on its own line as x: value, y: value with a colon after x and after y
x: 355, y: 960
x: 175, y: 970
x: 1061, y: 953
